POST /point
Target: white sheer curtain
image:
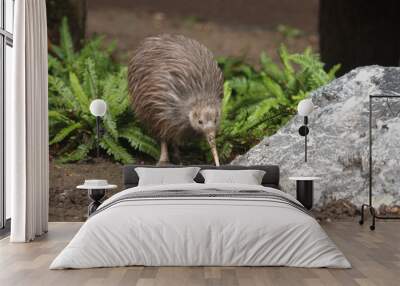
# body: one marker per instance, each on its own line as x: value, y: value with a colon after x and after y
x: 27, y: 124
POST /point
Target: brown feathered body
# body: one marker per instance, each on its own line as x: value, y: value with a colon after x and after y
x: 171, y: 76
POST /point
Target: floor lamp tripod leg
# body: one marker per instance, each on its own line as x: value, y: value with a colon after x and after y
x: 361, y: 221
x: 373, y: 214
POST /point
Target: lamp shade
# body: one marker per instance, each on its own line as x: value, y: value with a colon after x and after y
x: 98, y: 107
x: 305, y: 107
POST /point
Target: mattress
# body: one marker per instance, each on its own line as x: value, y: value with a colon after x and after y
x: 201, y: 225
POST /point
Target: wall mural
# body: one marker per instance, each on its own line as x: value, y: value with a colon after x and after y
x: 189, y: 89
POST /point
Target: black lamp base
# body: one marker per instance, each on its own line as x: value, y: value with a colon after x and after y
x: 304, y: 193
x: 303, y: 130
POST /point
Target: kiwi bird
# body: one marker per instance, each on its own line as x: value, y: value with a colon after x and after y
x: 176, y: 89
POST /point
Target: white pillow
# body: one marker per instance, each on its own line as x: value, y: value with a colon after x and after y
x: 248, y: 177
x: 165, y: 176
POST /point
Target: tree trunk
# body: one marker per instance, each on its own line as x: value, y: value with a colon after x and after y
x: 359, y: 32
x: 75, y: 11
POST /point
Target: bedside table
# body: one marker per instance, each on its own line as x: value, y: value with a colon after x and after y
x: 305, y: 190
x: 96, y: 191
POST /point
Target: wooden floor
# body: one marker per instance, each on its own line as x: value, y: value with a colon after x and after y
x: 375, y: 257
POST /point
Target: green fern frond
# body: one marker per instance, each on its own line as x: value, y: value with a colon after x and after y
x: 91, y: 79
x: 78, y: 154
x: 299, y: 96
x: 65, y: 132
x: 66, y: 43
x: 288, y: 69
x: 55, y: 65
x: 57, y: 116
x: 56, y: 50
x: 116, y: 150
x: 110, y: 125
x: 226, y: 99
x: 141, y: 141
x: 115, y: 92
x: 257, y: 87
x: 271, y: 69
x: 275, y: 89
x: 233, y: 67
x: 225, y: 150
x: 239, y: 85
x: 77, y: 90
x: 58, y: 88
x: 310, y: 65
x: 332, y: 72
x: 262, y: 109
x: 245, y: 103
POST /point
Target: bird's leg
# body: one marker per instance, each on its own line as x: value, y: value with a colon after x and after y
x: 164, y: 158
x: 176, y: 154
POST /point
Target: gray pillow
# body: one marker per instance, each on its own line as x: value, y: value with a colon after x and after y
x: 166, y: 176
x: 248, y: 177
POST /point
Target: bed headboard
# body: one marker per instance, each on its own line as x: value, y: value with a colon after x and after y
x: 270, y: 179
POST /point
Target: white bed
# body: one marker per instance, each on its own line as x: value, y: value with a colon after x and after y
x: 205, y: 230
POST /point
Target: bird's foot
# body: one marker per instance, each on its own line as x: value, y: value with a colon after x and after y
x: 163, y: 163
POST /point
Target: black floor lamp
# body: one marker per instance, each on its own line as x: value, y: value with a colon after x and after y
x: 304, y: 108
x: 369, y: 205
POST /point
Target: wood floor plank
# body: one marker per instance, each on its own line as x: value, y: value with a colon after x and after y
x: 375, y: 257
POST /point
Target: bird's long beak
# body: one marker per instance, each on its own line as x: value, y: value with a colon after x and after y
x: 211, y: 141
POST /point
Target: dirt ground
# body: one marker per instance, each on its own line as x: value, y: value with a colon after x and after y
x: 266, y: 13
x: 242, y: 29
x: 70, y: 204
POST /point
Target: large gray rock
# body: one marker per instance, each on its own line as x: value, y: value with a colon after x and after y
x: 338, y: 140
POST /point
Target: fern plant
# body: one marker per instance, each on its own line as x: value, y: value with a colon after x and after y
x: 257, y: 102
x: 75, y: 79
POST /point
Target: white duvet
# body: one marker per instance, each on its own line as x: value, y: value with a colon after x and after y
x: 200, y: 231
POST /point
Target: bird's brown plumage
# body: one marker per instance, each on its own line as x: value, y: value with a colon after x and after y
x: 171, y: 76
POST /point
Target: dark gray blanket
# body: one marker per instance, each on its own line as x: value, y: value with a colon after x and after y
x: 205, y: 194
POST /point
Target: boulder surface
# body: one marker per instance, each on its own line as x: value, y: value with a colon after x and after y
x: 338, y: 142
